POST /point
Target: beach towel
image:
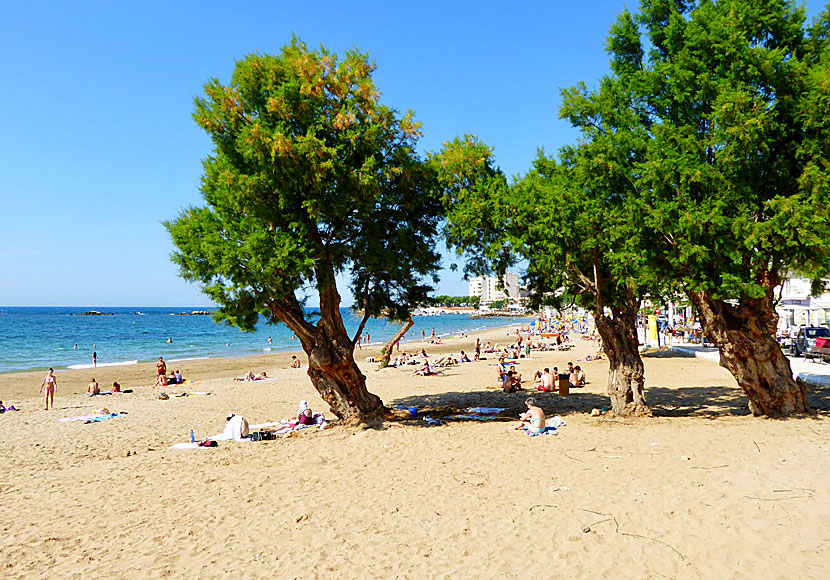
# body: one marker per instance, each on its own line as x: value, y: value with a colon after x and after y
x: 485, y: 410
x: 100, y: 418
x: 547, y: 431
x: 477, y: 414
x: 92, y: 418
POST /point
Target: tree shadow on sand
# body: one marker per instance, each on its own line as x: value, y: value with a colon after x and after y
x: 704, y: 401
x: 710, y: 401
x: 439, y: 405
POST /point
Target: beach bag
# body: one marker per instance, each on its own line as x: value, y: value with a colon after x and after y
x: 208, y: 443
x: 261, y: 436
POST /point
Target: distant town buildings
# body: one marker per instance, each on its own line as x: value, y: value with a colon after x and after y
x: 487, y: 288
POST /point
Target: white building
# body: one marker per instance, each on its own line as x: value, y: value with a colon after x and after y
x: 798, y: 307
x: 486, y: 287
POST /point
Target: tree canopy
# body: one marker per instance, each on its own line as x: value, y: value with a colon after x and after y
x: 310, y: 176
x: 734, y: 179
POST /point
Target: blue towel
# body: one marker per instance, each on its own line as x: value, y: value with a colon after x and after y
x: 547, y: 431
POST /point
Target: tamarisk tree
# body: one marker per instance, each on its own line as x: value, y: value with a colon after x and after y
x: 569, y: 222
x: 310, y: 176
x: 736, y: 169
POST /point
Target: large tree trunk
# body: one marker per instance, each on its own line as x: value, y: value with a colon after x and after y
x: 331, y: 365
x: 336, y: 376
x: 625, y: 375
x: 387, y: 353
x: 745, y: 336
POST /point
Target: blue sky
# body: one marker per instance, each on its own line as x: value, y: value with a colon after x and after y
x: 98, y: 146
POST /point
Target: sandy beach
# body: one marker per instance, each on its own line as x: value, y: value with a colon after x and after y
x: 701, y: 490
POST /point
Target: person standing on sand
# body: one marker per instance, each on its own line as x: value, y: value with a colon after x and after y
x: 50, y: 383
x: 94, y: 359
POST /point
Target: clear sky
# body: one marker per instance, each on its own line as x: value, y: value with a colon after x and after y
x: 98, y: 145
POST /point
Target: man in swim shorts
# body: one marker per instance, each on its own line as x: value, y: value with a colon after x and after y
x: 93, y: 388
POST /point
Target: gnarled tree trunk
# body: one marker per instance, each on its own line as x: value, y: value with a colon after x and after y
x: 625, y: 374
x: 745, y: 336
x: 331, y: 365
x: 336, y: 376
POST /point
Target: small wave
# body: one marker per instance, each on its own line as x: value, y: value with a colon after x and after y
x: 191, y: 358
x: 112, y: 364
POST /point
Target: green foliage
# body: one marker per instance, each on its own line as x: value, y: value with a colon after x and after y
x: 310, y: 175
x: 463, y: 301
x: 475, y: 194
x: 737, y: 161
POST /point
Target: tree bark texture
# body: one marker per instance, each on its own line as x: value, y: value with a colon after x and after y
x: 625, y: 375
x: 387, y: 354
x: 331, y: 365
x: 745, y: 336
x: 336, y: 376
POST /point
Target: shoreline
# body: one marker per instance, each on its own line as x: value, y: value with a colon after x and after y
x: 17, y: 385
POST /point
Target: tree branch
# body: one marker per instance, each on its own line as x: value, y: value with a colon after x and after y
x: 365, y: 311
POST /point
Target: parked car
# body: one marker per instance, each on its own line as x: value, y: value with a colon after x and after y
x: 805, y: 341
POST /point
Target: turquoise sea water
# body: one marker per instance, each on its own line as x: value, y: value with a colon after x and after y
x: 36, y: 338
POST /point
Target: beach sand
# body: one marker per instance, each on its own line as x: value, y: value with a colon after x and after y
x: 702, y: 490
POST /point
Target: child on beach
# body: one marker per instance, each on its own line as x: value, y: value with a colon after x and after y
x: 50, y: 383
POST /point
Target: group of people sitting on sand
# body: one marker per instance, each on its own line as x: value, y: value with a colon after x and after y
x: 547, y: 381
x: 162, y: 380
x: 94, y: 389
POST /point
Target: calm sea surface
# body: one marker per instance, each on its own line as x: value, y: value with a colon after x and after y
x: 37, y: 338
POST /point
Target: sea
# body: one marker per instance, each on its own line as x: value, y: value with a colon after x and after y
x: 35, y: 338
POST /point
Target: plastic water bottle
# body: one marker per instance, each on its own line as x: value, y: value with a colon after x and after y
x: 192, y: 437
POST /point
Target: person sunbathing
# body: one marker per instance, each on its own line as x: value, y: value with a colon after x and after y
x: 93, y: 388
x: 116, y: 388
x: 305, y: 416
x: 295, y: 362
x: 249, y: 376
x: 533, y: 420
x: 464, y: 357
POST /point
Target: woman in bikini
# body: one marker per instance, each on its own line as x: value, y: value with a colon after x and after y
x: 50, y: 383
x: 533, y: 420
